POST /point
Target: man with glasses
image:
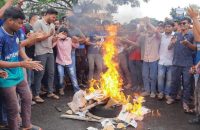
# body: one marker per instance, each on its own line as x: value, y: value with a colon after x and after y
x: 183, y: 46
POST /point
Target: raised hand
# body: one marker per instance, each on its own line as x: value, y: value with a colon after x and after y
x: 193, y: 13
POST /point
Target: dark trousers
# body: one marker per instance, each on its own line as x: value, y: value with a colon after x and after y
x: 47, y: 60
x: 12, y: 104
x: 3, y: 113
x: 123, y: 64
x: 135, y: 67
x: 177, y: 71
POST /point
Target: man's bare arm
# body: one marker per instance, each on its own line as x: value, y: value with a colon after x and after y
x: 7, y: 5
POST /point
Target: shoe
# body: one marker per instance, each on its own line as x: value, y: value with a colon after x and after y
x: 160, y: 96
x: 61, y: 92
x: 170, y: 100
x: 52, y: 95
x: 195, y: 120
x: 38, y: 99
x: 145, y: 94
x: 153, y: 95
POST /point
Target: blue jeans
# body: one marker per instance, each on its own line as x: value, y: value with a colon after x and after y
x: 149, y: 74
x: 30, y: 77
x: 73, y: 56
x: 72, y: 75
x: 164, y: 79
x: 177, y: 71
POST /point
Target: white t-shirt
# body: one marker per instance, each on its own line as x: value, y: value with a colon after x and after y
x: 166, y: 56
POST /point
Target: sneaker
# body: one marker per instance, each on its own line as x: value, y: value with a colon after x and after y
x: 52, y: 95
x: 160, y: 96
x: 170, y: 101
x: 153, y: 95
x: 145, y: 94
x: 61, y: 92
x: 38, y: 99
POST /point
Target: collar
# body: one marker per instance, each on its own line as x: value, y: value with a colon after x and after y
x: 45, y: 21
x: 7, y: 32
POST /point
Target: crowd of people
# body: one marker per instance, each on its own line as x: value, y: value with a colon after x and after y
x: 42, y: 55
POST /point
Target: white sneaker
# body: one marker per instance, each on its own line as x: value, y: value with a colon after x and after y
x: 160, y: 96
x: 153, y: 95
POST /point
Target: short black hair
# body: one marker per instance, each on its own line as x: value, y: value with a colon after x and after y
x: 169, y: 22
x: 14, y: 13
x: 186, y: 18
x: 51, y: 11
x: 32, y: 15
x: 63, y: 29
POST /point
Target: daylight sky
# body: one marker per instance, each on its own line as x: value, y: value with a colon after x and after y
x: 158, y: 9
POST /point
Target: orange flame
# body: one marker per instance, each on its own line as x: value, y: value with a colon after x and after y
x: 110, y: 82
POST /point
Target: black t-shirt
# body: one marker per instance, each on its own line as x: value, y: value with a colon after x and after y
x: 29, y: 50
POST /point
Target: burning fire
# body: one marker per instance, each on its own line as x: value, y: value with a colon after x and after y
x: 110, y: 82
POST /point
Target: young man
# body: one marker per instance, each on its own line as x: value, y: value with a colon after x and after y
x: 44, y: 53
x: 150, y: 59
x: 28, y: 29
x: 165, y: 61
x: 183, y: 46
x: 64, y: 46
x: 9, y: 62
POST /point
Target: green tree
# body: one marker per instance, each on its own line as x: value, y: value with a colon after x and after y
x: 2, y: 2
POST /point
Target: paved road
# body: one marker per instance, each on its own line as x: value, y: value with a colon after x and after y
x: 172, y: 117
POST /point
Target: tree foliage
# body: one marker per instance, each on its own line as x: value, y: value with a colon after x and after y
x: 2, y: 2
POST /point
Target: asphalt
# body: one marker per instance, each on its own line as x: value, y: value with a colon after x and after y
x: 164, y: 117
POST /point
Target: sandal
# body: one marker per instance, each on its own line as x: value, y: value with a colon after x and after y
x: 187, y: 110
x: 38, y: 99
x: 52, y: 95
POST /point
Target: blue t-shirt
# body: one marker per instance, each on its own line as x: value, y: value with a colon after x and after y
x: 9, y: 52
x: 197, y: 56
x: 183, y: 56
x: 1, y: 22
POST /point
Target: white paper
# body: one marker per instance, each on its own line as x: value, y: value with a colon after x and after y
x: 91, y: 128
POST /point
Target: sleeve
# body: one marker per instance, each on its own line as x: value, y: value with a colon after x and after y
x: 37, y: 26
x: 198, y: 46
x: 1, y: 47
